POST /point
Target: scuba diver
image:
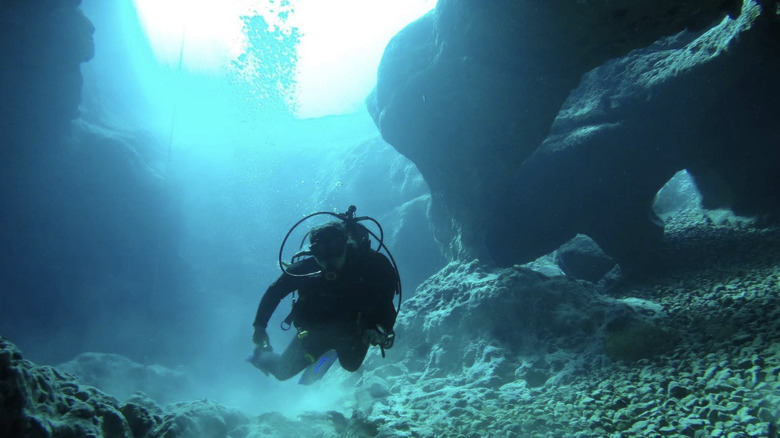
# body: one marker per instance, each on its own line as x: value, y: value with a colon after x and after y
x: 345, y: 303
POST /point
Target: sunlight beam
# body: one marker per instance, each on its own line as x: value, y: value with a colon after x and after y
x: 341, y: 44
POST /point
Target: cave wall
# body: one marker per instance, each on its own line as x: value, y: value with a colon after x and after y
x: 470, y: 93
x: 89, y: 229
x: 702, y: 103
x: 42, y: 45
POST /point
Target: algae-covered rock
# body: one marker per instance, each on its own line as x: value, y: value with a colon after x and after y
x: 42, y: 401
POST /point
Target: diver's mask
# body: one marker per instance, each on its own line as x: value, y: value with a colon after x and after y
x: 330, y: 254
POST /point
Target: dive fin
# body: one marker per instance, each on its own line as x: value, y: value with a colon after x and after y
x: 318, y: 369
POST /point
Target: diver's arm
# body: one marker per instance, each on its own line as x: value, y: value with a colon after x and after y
x: 279, y: 289
x: 386, y: 285
x: 289, y: 281
x: 387, y: 315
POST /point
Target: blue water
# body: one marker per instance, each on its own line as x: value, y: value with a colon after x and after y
x: 151, y: 227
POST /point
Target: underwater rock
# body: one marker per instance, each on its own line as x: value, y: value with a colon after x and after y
x: 43, y: 44
x: 582, y: 258
x: 631, y: 340
x: 373, y: 167
x: 693, y: 352
x: 678, y: 196
x: 121, y: 377
x: 142, y: 414
x: 469, y: 93
x: 41, y: 401
x: 633, y: 124
x: 497, y: 319
x: 546, y: 265
x: 323, y: 424
x: 200, y: 419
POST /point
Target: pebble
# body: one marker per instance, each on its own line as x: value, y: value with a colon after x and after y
x: 677, y: 391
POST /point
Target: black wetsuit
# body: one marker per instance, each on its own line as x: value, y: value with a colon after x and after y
x: 332, y: 311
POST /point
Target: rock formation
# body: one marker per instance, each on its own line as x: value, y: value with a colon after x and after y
x: 82, y: 206
x: 582, y: 258
x: 487, y: 351
x: 121, y: 377
x: 43, y: 401
x: 470, y: 93
x: 42, y: 46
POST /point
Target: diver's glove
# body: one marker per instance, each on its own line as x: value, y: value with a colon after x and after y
x: 379, y: 336
x: 260, y: 338
x: 262, y: 359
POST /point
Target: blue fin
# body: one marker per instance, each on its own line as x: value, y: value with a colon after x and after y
x: 315, y: 371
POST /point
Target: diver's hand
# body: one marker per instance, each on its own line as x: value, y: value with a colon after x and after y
x: 262, y: 359
x: 260, y: 338
x: 379, y: 336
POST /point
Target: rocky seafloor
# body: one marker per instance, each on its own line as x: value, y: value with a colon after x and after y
x: 697, y: 355
x: 693, y: 350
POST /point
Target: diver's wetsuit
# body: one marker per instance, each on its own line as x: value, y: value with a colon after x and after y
x: 333, y: 313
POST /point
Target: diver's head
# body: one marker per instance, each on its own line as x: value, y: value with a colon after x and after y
x: 328, y: 245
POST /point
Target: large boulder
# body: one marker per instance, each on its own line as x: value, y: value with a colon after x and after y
x: 499, y: 324
x: 470, y: 92
x: 477, y: 345
x: 582, y: 258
